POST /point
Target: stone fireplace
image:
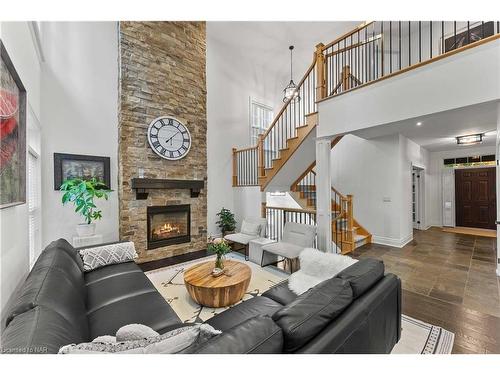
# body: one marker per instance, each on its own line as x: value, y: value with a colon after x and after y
x: 168, y: 225
x: 162, y: 73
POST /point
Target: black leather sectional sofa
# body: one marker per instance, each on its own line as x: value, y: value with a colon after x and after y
x: 358, y: 311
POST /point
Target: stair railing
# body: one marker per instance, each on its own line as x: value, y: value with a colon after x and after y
x: 381, y: 49
x: 277, y: 217
x: 284, y: 127
x: 245, y: 171
x: 291, y: 116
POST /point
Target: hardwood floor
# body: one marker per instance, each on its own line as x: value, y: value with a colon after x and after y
x: 448, y: 280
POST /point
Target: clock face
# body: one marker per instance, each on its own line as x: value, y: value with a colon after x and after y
x: 169, y: 138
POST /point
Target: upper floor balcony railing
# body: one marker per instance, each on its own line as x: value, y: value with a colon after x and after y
x: 381, y: 49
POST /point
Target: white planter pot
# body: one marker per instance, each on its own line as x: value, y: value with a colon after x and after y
x: 85, y: 230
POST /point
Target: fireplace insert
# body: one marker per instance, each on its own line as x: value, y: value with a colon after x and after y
x: 168, y: 225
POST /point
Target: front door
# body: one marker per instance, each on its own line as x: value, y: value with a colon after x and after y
x: 475, y: 197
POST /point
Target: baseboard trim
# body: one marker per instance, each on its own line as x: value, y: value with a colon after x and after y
x: 394, y: 242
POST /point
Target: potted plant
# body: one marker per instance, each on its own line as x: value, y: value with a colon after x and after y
x: 82, y: 194
x: 220, y: 247
x: 226, y: 221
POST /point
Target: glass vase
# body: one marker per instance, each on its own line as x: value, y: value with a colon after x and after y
x: 219, y: 261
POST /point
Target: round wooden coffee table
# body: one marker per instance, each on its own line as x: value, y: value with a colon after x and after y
x: 219, y: 291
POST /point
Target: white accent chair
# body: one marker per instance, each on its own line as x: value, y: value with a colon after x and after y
x: 296, y: 237
x: 251, y: 229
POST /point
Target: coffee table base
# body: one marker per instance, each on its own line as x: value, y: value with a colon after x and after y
x: 221, y: 291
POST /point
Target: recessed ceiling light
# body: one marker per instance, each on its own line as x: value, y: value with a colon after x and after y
x: 419, y: 123
x: 469, y: 139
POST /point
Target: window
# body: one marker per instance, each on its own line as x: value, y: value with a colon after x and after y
x: 261, y: 117
x: 34, y: 205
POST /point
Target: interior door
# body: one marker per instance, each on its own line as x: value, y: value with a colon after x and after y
x: 475, y: 197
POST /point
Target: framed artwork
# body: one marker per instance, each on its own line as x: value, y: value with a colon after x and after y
x: 12, y: 134
x: 85, y: 167
x: 474, y: 33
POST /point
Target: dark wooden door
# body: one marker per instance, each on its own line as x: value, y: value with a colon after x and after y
x: 475, y: 198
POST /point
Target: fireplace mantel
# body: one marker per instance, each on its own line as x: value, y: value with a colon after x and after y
x: 141, y: 185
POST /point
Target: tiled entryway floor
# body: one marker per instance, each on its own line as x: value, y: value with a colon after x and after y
x: 450, y: 280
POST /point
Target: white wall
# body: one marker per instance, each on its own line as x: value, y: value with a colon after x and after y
x: 14, y: 246
x: 79, y: 111
x: 231, y: 81
x: 395, y: 99
x: 435, y: 198
x: 377, y: 172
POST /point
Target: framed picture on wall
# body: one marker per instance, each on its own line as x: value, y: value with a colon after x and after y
x: 85, y: 167
x: 473, y: 33
x: 12, y: 134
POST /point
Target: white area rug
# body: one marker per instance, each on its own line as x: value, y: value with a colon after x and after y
x: 416, y: 337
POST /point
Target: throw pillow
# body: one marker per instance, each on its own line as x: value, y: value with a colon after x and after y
x: 180, y: 340
x: 100, y: 256
x: 132, y: 332
x: 251, y: 229
x: 315, y: 267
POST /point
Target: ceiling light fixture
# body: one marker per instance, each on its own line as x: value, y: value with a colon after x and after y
x: 470, y: 139
x: 419, y: 123
x: 291, y: 91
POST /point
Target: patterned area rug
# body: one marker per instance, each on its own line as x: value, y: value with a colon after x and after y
x: 416, y: 338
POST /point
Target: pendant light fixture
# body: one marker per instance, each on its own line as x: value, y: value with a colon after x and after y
x: 291, y: 91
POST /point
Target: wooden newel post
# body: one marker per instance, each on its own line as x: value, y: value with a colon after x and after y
x: 235, y: 168
x: 260, y: 150
x: 320, y: 72
x: 346, y: 77
x: 263, y: 210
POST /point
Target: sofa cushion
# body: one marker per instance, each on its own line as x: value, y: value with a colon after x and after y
x: 39, y: 330
x: 281, y: 293
x: 148, y: 308
x: 363, y: 275
x: 63, y: 245
x: 305, y: 317
x: 54, y: 289
x: 258, y: 335
x: 110, y: 271
x: 243, y: 311
x: 114, y: 289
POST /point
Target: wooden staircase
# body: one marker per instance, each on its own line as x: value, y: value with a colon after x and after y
x: 291, y: 145
x: 347, y: 233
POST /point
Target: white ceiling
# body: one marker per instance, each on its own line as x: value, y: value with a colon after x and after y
x: 266, y: 43
x: 438, y: 130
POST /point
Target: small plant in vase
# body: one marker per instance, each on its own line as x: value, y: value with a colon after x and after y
x: 226, y: 221
x: 82, y: 194
x: 220, y: 248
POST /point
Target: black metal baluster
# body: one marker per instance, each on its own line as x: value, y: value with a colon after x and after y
x: 419, y: 41
x: 399, y: 29
x: 442, y: 36
x: 382, y: 48
x: 454, y: 34
x: 390, y: 47
x: 409, y: 43
x: 374, y: 57
x: 430, y: 41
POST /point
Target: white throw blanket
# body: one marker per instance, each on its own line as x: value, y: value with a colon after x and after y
x: 315, y: 267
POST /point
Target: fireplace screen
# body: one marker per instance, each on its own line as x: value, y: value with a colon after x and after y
x: 168, y: 225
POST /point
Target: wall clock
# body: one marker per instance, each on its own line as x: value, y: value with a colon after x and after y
x: 169, y: 138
